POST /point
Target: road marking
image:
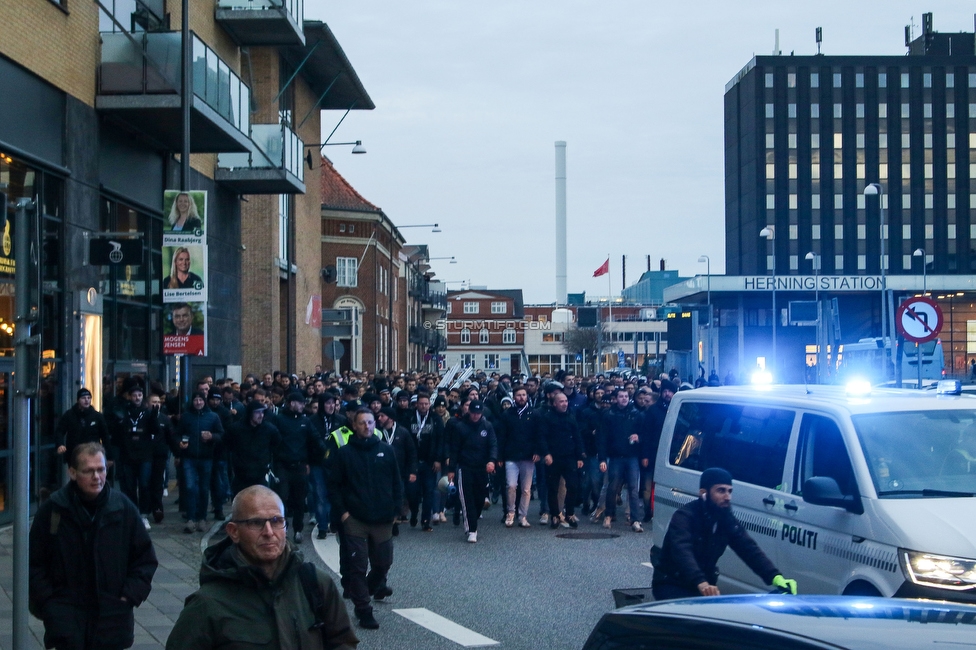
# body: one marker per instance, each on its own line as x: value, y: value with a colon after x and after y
x: 446, y: 628
x: 647, y: 564
x: 328, y: 550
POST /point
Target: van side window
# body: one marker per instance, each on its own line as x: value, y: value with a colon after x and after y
x: 748, y: 441
x: 822, y: 452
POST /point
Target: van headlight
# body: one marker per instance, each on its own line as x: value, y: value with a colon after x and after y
x: 940, y: 571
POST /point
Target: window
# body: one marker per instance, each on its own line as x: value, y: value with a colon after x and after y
x: 491, y: 361
x: 822, y: 453
x: 791, y: 110
x: 950, y: 111
x: 498, y: 307
x: 748, y: 441
x: 483, y: 337
x: 508, y: 336
x: 906, y: 231
x: 342, y: 227
x: 467, y: 360
x: 346, y: 271
x: 352, y: 227
x: 769, y: 110
x: 929, y: 231
x: 815, y: 203
x: 769, y: 79
x: 859, y: 140
x: 552, y: 337
x: 836, y: 80
x: 815, y: 231
x: 905, y: 112
x: 838, y: 140
x: 838, y: 111
x: 791, y: 141
x: 470, y: 308
x: 859, y: 80
x: 838, y: 171
x: 465, y: 335
x: 883, y: 111
x: 859, y: 110
x: 860, y: 197
x: 770, y: 201
x: 882, y: 140
x: 791, y: 80
x: 861, y: 231
x: 904, y: 80
x: 793, y: 227
x: 906, y: 201
x: 862, y: 262
x: 284, y: 227
x: 815, y: 140
x: 972, y: 110
x: 838, y: 231
x: 882, y: 80
x: 838, y: 262
x: 770, y: 141
x: 838, y: 202
x: 791, y: 170
x: 815, y: 110
x: 950, y: 80
x: 906, y: 141
x: 814, y: 80
x: 770, y: 171
x: 927, y: 80
x: 926, y: 110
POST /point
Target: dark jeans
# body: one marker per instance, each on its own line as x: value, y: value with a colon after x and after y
x: 157, y: 482
x: 540, y: 487
x: 564, y: 468
x: 196, y: 476
x: 292, y: 486
x: 219, y: 485
x: 369, y: 560
x: 624, y: 470
x: 472, y: 485
x: 428, y: 485
x: 411, y: 492
x: 135, y: 483
x: 323, y: 509
x: 241, y: 481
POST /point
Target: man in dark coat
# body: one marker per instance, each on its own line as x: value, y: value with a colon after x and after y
x: 400, y: 438
x: 518, y: 451
x: 697, y: 537
x: 91, y: 560
x: 650, y: 437
x: 299, y: 442
x: 561, y: 448
x: 474, y: 450
x: 81, y: 423
x: 134, y: 428
x: 619, y: 446
x: 251, y: 444
x: 427, y: 430
x: 366, y: 492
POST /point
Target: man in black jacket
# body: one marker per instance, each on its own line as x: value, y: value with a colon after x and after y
x: 697, y: 537
x: 650, y: 437
x: 619, y: 445
x: 561, y: 449
x: 81, y: 423
x: 298, y: 444
x: 91, y: 560
x: 474, y: 450
x: 518, y: 451
x: 400, y: 438
x: 428, y: 433
x: 134, y: 429
x: 366, y: 488
x: 251, y: 444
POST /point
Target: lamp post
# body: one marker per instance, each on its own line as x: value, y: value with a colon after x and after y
x: 872, y: 190
x: 708, y: 285
x: 769, y: 232
x: 918, y: 252
x: 815, y: 262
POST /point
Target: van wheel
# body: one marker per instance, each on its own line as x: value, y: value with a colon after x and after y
x: 860, y: 588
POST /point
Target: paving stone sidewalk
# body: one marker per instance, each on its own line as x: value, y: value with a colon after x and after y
x: 175, y: 579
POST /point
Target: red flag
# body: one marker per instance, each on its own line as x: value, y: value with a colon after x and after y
x: 603, y: 270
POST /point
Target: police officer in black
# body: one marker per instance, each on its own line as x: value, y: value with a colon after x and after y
x: 697, y: 537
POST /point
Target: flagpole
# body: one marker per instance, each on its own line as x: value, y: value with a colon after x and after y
x: 609, y: 293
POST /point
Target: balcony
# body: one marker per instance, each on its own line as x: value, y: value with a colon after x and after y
x: 139, y: 86
x: 262, y: 22
x: 274, y: 165
x: 434, y: 301
x: 418, y: 335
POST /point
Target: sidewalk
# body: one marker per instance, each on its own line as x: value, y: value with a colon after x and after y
x: 175, y: 579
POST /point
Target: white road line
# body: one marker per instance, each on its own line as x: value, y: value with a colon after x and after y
x: 446, y: 628
x: 647, y: 564
x: 328, y: 550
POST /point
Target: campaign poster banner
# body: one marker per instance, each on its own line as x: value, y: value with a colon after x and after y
x: 185, y: 328
x: 186, y: 217
x: 184, y: 273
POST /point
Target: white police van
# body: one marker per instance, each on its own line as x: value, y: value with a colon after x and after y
x: 867, y: 494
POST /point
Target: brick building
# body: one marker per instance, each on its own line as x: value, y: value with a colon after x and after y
x: 485, y: 329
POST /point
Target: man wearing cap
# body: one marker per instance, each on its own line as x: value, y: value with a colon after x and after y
x: 251, y: 443
x: 79, y: 424
x: 298, y: 444
x: 474, y: 450
x: 697, y: 537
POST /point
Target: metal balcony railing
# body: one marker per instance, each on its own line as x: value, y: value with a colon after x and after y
x: 294, y: 8
x: 275, y: 147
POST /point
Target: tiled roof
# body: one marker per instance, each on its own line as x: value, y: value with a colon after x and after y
x: 338, y: 193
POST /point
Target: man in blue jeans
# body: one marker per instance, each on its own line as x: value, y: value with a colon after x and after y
x: 620, y: 450
x: 198, y: 433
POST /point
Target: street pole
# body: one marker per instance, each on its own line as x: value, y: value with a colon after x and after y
x: 770, y: 234
x: 872, y: 190
x: 186, y: 102
x: 21, y: 421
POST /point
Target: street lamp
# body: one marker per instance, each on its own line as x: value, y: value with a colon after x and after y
x: 357, y: 146
x: 769, y: 232
x: 815, y: 262
x: 708, y: 275
x: 918, y: 252
x: 453, y: 261
x: 872, y: 190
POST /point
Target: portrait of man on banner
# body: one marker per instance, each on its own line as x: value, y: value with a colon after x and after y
x: 186, y: 216
x: 185, y: 269
x: 185, y: 328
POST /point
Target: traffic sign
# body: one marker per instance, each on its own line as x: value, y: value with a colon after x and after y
x: 919, y: 319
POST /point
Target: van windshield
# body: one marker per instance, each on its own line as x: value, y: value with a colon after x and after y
x: 922, y: 454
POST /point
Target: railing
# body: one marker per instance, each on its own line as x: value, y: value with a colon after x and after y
x: 149, y: 63
x: 417, y: 335
x: 275, y: 146
x: 295, y: 8
x: 436, y: 299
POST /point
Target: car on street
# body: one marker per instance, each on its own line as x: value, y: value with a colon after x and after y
x: 786, y: 623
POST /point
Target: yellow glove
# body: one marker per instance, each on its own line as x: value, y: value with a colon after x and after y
x: 784, y: 583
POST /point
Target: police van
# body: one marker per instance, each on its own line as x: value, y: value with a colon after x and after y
x: 867, y: 493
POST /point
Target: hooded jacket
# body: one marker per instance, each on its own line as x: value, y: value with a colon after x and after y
x: 517, y: 435
x: 252, y: 447
x: 474, y: 444
x: 77, y: 426
x: 617, y: 426
x: 238, y: 607
x: 192, y: 424
x: 559, y: 436
x: 364, y: 480
x: 83, y: 563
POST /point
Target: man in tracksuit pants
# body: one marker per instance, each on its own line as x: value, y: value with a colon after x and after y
x: 474, y: 449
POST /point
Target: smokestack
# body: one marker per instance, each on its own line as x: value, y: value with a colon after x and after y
x: 776, y: 50
x: 623, y: 272
x: 662, y: 263
x: 560, y: 222
x: 648, y: 263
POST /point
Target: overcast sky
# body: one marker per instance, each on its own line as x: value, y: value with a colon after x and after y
x: 471, y: 96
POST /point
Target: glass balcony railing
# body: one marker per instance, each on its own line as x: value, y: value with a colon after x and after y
x: 149, y: 63
x: 275, y: 146
x: 294, y: 8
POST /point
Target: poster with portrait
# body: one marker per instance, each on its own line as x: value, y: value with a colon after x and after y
x: 185, y: 217
x: 184, y: 273
x: 185, y: 328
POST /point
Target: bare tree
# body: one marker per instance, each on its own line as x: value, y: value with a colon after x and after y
x: 578, y: 339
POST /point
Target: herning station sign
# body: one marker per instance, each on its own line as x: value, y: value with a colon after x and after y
x: 811, y: 283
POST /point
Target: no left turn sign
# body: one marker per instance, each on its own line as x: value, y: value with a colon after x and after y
x: 919, y: 319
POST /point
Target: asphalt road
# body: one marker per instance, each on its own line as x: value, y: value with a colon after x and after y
x: 524, y: 588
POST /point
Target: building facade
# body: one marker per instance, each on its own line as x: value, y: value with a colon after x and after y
x: 485, y: 330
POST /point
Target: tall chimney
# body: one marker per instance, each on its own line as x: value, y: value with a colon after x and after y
x: 560, y: 222
x: 662, y: 263
x: 623, y: 272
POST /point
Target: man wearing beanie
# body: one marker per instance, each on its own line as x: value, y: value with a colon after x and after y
x: 79, y: 424
x: 697, y: 537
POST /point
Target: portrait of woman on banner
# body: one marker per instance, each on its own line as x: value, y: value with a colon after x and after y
x: 186, y: 212
x: 180, y: 276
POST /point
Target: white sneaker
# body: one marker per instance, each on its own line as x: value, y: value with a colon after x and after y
x: 472, y: 537
x: 637, y: 528
x: 145, y: 522
x: 524, y: 523
x: 510, y: 519
x: 544, y: 519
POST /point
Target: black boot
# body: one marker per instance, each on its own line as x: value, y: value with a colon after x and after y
x: 366, y: 619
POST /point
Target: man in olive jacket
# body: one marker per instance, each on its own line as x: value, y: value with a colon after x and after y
x: 91, y: 560
x: 251, y: 589
x: 366, y: 491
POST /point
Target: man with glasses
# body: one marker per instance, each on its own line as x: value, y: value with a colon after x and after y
x: 91, y: 559
x: 253, y: 567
